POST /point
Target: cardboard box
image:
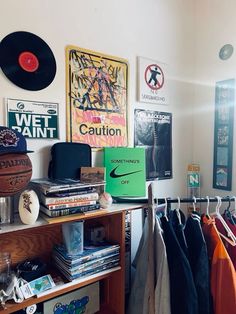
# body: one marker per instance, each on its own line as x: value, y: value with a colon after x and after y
x: 84, y: 300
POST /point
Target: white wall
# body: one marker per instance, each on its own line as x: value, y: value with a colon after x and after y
x: 215, y: 27
x: 160, y: 29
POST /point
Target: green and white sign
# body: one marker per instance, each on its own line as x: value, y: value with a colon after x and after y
x: 125, y: 171
x: 32, y: 118
x: 194, y: 180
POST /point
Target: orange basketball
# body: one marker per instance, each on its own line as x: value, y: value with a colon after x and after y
x: 15, y: 173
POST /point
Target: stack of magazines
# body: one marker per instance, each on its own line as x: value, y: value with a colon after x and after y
x: 92, y: 260
x: 66, y: 196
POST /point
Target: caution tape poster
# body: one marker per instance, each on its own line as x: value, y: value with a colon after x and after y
x: 153, y: 82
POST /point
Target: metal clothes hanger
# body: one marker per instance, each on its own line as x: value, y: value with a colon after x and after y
x: 178, y: 211
x: 231, y: 237
x: 207, y: 208
x: 228, y: 214
x: 195, y: 215
x: 165, y: 209
x: 194, y: 203
x: 234, y: 210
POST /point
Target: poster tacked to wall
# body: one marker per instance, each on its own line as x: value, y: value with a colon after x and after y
x: 153, y: 131
x: 153, y: 82
x: 34, y: 119
x: 97, y: 87
x: 223, y: 134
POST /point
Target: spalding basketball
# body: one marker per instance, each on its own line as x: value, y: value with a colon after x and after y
x: 15, y: 173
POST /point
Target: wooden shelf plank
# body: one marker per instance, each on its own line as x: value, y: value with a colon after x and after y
x: 30, y: 241
x: 45, y: 220
x: 59, y: 290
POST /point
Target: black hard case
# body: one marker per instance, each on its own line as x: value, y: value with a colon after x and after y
x: 67, y: 158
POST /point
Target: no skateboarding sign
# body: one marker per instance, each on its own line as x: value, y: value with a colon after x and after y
x: 152, y: 81
x: 154, y: 76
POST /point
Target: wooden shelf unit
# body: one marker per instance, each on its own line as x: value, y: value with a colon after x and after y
x: 37, y: 241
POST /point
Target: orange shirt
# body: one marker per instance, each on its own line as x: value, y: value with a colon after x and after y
x: 223, y: 276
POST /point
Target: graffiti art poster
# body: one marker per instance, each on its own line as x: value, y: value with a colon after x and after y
x: 97, y: 93
x: 153, y: 131
x: 153, y: 81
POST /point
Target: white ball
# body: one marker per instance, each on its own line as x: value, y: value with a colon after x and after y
x: 28, y: 207
x: 105, y: 200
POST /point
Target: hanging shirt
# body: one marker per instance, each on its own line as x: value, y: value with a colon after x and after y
x: 162, y: 287
x: 183, y: 294
x: 141, y: 300
x: 222, y: 273
x: 198, y: 259
x: 230, y: 248
x: 178, y: 226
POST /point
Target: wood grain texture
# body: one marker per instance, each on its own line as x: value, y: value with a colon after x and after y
x: 38, y: 242
x: 31, y: 243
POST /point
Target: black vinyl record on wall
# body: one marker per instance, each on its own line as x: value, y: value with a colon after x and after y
x: 27, y: 60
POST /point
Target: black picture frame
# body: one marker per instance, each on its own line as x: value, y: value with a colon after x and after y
x: 223, y: 134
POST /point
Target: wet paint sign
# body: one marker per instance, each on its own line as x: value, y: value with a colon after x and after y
x: 153, y: 82
x: 32, y: 118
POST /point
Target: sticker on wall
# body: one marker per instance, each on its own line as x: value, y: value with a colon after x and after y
x: 193, y: 185
x: 97, y: 87
x: 153, y: 81
x: 223, y: 134
x: 34, y: 119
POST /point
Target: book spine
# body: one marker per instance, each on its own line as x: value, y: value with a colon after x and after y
x: 72, y: 193
x: 69, y: 211
x: 69, y: 205
x: 76, y: 198
x: 53, y: 188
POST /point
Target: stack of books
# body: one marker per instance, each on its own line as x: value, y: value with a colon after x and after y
x: 66, y: 196
x: 92, y: 260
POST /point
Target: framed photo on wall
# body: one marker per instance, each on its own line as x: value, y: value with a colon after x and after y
x: 97, y: 95
x: 223, y: 134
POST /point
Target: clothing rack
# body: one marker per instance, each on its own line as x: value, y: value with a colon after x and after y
x: 194, y: 200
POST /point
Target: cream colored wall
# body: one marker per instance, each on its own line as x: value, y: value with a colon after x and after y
x: 215, y: 27
x: 160, y: 29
